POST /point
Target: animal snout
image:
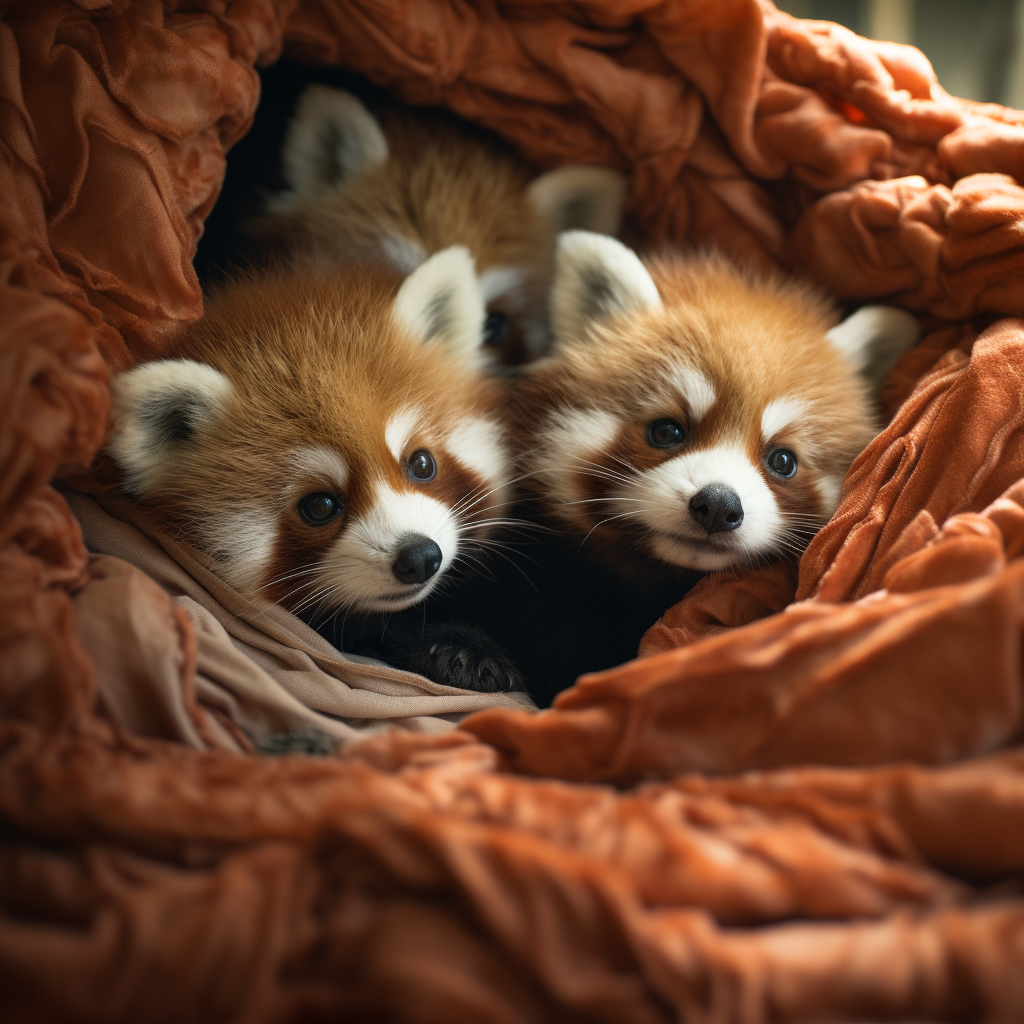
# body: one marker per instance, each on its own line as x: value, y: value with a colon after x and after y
x: 717, y: 508
x: 417, y: 560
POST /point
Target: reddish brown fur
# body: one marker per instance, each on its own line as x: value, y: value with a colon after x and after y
x: 755, y: 339
x: 314, y: 360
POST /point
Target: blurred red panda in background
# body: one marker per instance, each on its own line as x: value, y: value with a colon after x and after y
x: 411, y: 182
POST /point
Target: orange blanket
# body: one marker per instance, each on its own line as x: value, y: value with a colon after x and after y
x: 439, y: 879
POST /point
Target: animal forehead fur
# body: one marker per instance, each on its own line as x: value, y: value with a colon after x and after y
x: 754, y: 339
x: 442, y: 184
x: 317, y: 359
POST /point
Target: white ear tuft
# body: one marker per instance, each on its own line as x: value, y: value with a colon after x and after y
x: 330, y: 137
x: 442, y: 299
x: 157, y: 407
x: 580, y: 199
x: 873, y: 339
x: 595, y: 277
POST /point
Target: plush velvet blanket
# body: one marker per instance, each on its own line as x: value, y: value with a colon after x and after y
x: 804, y: 803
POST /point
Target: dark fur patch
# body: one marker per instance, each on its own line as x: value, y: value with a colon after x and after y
x: 577, y: 213
x: 439, y: 313
x: 298, y: 551
x: 454, y: 484
x: 171, y: 419
x: 598, y: 293
x: 332, y: 168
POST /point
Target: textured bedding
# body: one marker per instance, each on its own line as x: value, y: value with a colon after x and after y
x: 805, y: 802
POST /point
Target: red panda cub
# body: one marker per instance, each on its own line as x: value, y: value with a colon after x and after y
x: 693, y: 412
x: 416, y: 181
x: 691, y: 417
x: 327, y: 441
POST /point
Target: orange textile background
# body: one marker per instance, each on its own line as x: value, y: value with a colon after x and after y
x: 806, y: 802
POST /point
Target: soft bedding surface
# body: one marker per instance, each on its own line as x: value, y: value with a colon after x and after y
x: 806, y: 802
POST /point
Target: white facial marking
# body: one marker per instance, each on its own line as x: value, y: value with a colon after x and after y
x: 499, y: 280
x: 571, y: 439
x: 781, y: 413
x: 358, y: 565
x: 828, y: 488
x: 664, y: 494
x: 688, y: 381
x: 323, y: 463
x: 241, y: 543
x: 477, y: 444
x: 400, y: 429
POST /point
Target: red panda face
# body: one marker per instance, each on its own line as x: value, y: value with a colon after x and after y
x: 381, y: 527
x: 326, y: 442
x: 691, y: 413
x: 675, y: 473
x: 412, y: 183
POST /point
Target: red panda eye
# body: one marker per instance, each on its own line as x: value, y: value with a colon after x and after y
x: 320, y: 508
x: 665, y: 434
x: 782, y: 462
x: 421, y: 466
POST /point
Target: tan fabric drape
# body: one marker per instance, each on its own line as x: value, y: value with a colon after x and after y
x: 259, y: 671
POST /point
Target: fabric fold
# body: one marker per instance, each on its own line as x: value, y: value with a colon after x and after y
x: 178, y: 652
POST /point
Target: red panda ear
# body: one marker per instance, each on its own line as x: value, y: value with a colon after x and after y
x: 155, y: 410
x: 580, y: 198
x: 596, y: 277
x: 441, y: 302
x: 330, y: 137
x: 873, y: 338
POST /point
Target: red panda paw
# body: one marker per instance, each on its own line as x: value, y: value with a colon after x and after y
x: 462, y: 656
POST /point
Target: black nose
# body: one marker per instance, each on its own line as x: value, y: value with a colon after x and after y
x: 418, y: 559
x: 717, y: 508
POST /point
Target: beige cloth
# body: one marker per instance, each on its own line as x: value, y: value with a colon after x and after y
x: 180, y: 655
